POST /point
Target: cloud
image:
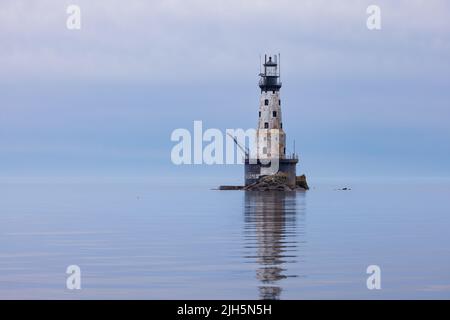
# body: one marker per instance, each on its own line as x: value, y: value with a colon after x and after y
x: 175, y: 40
x: 139, y: 69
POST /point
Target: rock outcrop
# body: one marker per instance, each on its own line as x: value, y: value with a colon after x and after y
x: 275, y: 182
x: 300, y: 182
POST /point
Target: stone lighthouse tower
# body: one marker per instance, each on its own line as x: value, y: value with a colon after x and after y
x: 270, y: 137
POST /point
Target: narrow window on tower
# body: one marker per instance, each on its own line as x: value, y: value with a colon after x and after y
x: 284, y: 150
x: 274, y: 114
x: 281, y: 125
x: 266, y: 125
x: 279, y: 102
x: 266, y: 102
x: 260, y: 114
x: 265, y: 150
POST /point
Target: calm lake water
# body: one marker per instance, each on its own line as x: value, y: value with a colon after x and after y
x: 136, y: 241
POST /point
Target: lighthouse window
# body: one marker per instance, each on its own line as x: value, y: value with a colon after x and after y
x: 266, y: 125
x: 281, y: 125
x: 279, y: 102
x: 274, y: 113
x: 266, y: 102
x: 260, y: 114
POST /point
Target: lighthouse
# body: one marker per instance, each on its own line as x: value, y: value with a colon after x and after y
x: 270, y: 136
x: 271, y: 139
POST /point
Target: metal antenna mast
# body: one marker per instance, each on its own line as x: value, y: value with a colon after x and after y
x: 294, y: 147
x: 279, y: 65
x: 260, y: 64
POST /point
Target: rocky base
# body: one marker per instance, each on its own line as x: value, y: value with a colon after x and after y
x: 276, y: 182
x: 300, y: 182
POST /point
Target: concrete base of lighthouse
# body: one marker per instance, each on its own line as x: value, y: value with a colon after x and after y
x: 254, y: 170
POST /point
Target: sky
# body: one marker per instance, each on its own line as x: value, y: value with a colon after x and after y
x: 103, y: 101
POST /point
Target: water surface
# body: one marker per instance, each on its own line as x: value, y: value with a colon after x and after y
x: 138, y: 241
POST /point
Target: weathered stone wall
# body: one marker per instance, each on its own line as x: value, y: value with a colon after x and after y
x: 270, y: 137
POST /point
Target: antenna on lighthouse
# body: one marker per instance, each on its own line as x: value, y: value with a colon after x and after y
x: 294, y: 147
x: 279, y: 65
x: 260, y: 64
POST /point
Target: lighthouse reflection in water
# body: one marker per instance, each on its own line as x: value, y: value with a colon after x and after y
x: 274, y: 232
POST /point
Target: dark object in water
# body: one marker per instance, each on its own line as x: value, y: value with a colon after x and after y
x: 344, y: 189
